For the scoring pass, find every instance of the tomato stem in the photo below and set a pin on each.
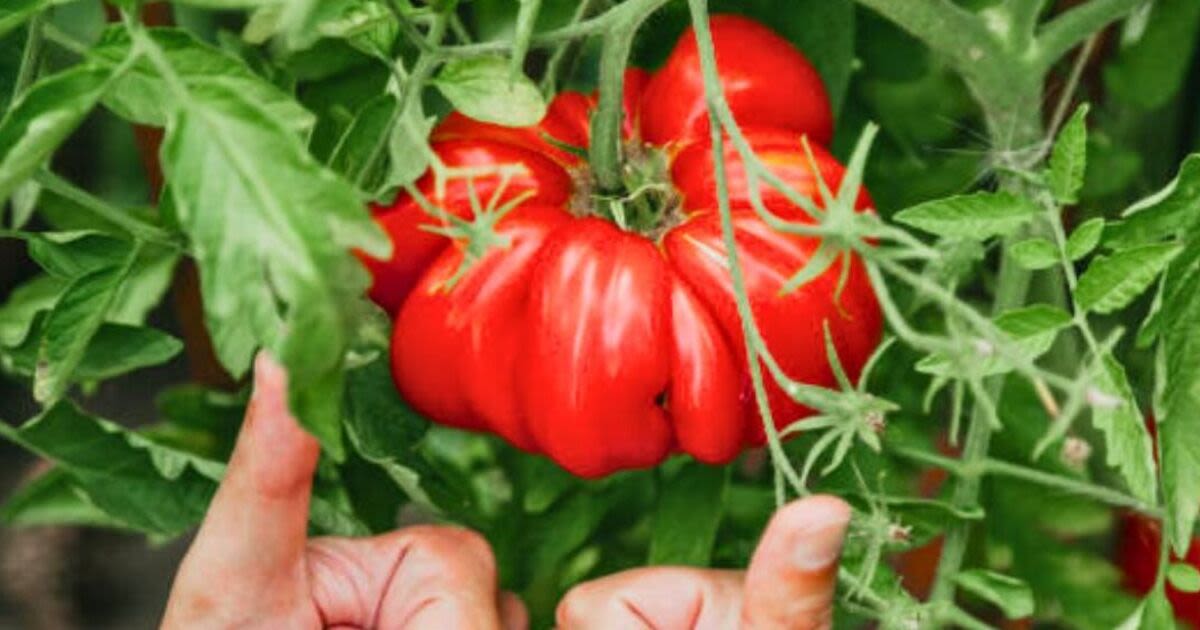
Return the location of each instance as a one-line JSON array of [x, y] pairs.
[[605, 150]]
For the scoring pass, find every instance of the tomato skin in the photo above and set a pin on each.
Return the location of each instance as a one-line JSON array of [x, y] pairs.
[[768, 259], [780, 150], [408, 224], [1137, 555], [602, 348], [766, 81]]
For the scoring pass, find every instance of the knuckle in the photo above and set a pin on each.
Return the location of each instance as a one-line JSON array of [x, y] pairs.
[[451, 550]]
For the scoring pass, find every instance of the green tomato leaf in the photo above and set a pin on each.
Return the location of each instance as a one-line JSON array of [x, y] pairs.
[[70, 327], [1035, 253], [1168, 212], [1068, 159], [1176, 412], [1115, 413], [73, 253], [43, 118], [272, 238], [485, 88], [14, 13], [1151, 68], [368, 26], [1085, 238], [17, 315], [1184, 577], [976, 216], [24, 201], [1112, 282], [143, 96], [1011, 595], [140, 484], [386, 431], [1032, 329], [690, 507], [53, 498]]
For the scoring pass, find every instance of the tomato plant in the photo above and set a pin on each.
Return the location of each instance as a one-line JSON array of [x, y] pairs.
[[628, 246]]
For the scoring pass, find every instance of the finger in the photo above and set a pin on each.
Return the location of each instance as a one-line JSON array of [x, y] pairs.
[[416, 578], [513, 615], [793, 574], [252, 539], [659, 597]]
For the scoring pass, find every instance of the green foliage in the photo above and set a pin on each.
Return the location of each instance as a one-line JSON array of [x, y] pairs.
[[484, 88], [1006, 272], [690, 508]]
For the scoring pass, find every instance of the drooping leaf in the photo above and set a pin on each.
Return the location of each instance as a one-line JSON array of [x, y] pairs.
[[24, 303], [976, 216], [1112, 282], [1068, 159], [43, 118], [485, 88], [135, 482], [1179, 414], [1128, 446], [52, 498], [272, 239], [70, 326]]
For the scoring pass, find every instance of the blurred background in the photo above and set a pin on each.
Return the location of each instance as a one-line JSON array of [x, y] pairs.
[[932, 145]]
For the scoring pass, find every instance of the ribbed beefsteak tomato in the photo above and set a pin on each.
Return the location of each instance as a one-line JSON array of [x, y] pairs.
[[605, 347]]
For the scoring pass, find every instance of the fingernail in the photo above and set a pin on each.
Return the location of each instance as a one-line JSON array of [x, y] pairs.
[[819, 540]]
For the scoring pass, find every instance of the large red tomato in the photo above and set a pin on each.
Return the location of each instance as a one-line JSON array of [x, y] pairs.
[[608, 348]]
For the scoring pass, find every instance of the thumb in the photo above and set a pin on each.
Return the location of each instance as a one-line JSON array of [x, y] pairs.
[[255, 531], [793, 574]]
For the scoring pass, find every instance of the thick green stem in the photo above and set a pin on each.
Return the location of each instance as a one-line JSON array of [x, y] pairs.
[[1072, 27], [1011, 289], [605, 147], [526, 20], [604, 150]]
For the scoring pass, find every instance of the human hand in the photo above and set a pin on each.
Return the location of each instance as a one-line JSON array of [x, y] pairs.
[[252, 564], [790, 583]]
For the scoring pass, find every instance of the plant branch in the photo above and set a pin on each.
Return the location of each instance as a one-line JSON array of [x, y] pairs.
[[604, 150], [1070, 29], [942, 25], [992, 466], [600, 24]]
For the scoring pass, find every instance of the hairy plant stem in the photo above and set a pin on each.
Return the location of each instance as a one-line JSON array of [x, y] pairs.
[[1011, 289], [999, 468]]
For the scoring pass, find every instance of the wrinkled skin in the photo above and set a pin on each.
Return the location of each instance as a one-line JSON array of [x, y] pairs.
[[607, 349]]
